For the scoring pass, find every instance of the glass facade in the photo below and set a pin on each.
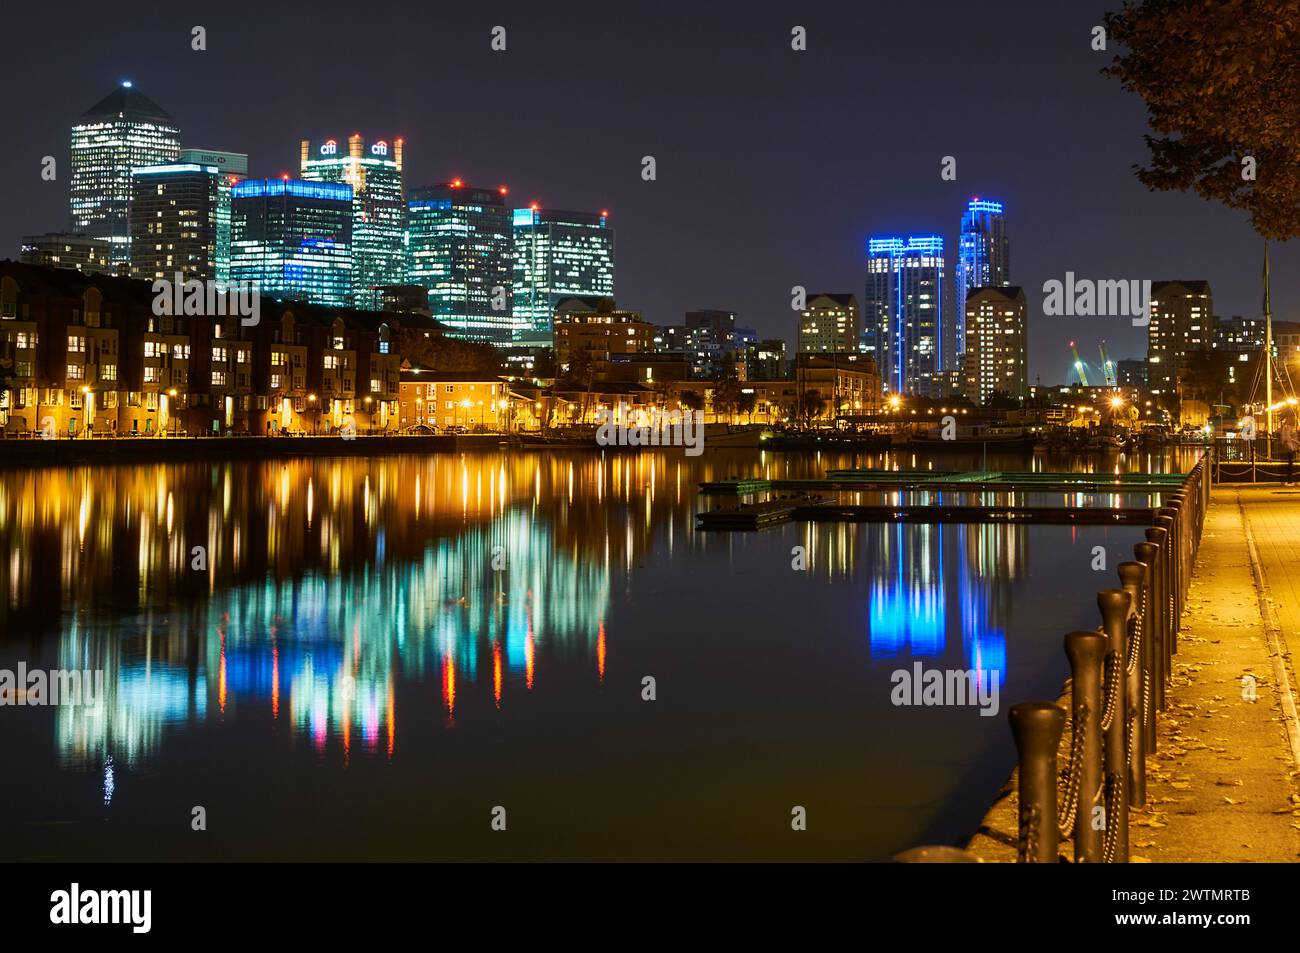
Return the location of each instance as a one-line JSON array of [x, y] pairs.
[[903, 312], [124, 131], [294, 238], [373, 170], [232, 167], [461, 251], [557, 255], [983, 260], [177, 217]]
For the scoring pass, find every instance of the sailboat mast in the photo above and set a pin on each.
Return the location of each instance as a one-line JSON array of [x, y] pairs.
[[1268, 355]]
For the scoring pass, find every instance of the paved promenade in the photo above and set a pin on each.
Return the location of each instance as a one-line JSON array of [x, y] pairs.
[[1224, 784]]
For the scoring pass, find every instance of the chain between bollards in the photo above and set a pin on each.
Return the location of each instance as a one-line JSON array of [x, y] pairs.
[[1119, 677]]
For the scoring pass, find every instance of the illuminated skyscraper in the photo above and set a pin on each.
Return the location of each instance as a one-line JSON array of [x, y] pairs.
[[233, 167], [374, 171], [996, 356], [121, 132], [983, 261], [180, 217], [461, 250], [1182, 320], [294, 238], [830, 324], [557, 255], [903, 319]]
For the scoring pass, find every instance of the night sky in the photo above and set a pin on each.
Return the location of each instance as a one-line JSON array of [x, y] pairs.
[[773, 166]]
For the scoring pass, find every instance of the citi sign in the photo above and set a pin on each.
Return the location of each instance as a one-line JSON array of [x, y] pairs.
[[331, 147]]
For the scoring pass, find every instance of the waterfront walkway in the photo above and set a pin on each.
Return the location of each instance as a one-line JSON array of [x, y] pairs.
[[1224, 784]]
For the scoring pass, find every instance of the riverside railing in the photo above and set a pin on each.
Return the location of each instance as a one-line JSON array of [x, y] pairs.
[[1118, 677]]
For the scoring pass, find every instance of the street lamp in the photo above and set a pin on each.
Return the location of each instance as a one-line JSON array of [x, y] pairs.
[[85, 408], [315, 420], [171, 411]]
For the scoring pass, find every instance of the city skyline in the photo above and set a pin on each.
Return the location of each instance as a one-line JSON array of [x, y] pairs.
[[488, 281], [580, 434], [802, 233]]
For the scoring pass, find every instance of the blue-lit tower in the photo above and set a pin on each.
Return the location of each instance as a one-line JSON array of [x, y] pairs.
[[983, 260], [903, 315], [293, 238]]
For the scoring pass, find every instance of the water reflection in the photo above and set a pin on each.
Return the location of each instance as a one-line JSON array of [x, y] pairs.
[[327, 651], [364, 608], [923, 572]]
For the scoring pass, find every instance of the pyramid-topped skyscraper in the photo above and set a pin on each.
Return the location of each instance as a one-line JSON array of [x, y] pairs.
[[124, 130]]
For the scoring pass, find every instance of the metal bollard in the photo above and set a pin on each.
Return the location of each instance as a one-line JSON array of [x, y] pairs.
[[1174, 526], [1168, 521], [1114, 606], [1189, 557], [1087, 654], [936, 854], [1161, 535], [1189, 552], [1133, 576], [1178, 545], [1147, 554], [1037, 727]]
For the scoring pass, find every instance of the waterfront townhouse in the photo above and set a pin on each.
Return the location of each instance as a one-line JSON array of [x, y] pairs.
[[469, 400], [847, 384], [379, 370], [60, 350], [87, 353], [279, 373]]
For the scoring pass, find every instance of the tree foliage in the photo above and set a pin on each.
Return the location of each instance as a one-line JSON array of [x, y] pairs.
[[442, 353], [726, 395], [812, 404], [693, 399], [1218, 377], [1221, 80]]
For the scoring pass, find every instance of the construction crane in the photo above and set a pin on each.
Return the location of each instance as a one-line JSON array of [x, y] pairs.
[[1107, 367], [1078, 365]]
